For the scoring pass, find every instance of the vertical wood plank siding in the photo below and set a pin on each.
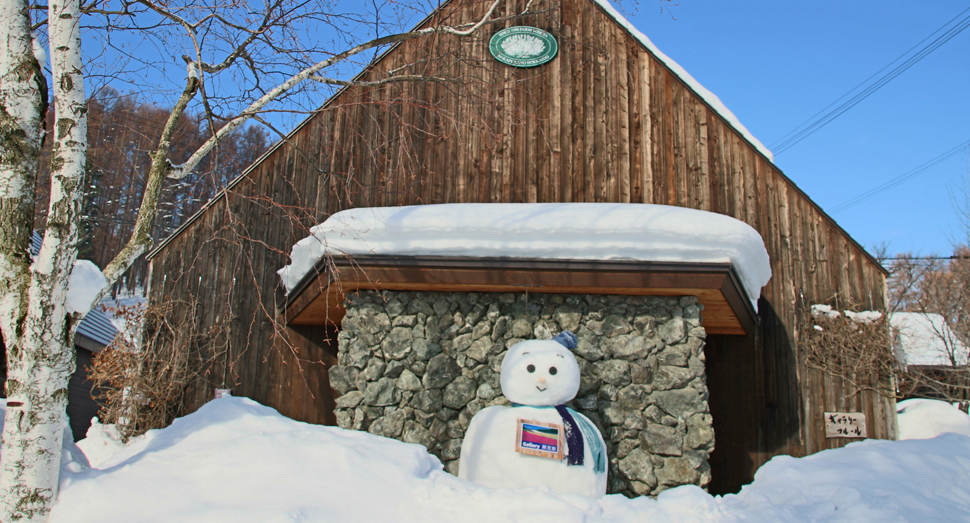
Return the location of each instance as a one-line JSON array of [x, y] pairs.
[[603, 122]]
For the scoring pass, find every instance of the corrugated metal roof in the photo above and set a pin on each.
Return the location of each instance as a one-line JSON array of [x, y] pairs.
[[35, 241], [96, 325]]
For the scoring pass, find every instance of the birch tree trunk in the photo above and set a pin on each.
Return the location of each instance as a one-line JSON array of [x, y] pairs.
[[23, 94], [40, 348]]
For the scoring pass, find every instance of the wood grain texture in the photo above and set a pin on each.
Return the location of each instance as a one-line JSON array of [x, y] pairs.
[[726, 310]]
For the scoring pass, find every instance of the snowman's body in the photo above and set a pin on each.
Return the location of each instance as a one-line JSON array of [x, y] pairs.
[[488, 455], [536, 376]]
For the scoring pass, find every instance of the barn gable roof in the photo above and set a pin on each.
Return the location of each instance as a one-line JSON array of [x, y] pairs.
[[708, 98]]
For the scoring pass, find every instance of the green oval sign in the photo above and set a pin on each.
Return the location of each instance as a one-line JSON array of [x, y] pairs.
[[523, 46]]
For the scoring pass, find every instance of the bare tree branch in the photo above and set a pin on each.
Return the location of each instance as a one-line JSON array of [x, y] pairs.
[[179, 171], [390, 79]]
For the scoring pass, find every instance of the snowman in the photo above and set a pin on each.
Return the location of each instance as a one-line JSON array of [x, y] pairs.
[[538, 440]]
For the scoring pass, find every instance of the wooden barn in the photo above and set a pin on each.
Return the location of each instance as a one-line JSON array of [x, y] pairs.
[[608, 119]]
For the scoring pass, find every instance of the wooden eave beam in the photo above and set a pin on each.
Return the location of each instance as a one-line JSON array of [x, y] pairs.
[[318, 299]]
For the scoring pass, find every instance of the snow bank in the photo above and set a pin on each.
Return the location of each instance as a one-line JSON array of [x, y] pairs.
[[581, 231], [682, 73], [868, 481], [235, 460], [101, 443], [923, 419]]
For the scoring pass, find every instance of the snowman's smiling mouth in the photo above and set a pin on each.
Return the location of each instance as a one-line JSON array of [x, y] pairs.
[[541, 390]]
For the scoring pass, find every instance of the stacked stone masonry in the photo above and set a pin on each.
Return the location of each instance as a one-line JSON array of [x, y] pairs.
[[417, 366]]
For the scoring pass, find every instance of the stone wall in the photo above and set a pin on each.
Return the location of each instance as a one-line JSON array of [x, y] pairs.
[[417, 366]]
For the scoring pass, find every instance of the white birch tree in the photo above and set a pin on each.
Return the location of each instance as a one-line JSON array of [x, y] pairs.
[[38, 327]]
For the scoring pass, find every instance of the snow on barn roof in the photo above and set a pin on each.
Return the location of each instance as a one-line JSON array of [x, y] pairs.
[[563, 231], [925, 339]]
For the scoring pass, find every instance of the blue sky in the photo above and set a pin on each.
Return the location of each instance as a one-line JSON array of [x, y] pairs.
[[776, 63]]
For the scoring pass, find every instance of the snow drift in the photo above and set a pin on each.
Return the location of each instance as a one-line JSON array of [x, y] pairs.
[[235, 460], [924, 419]]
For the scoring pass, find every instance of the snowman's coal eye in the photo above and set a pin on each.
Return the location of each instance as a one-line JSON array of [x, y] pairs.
[[531, 368], [553, 371]]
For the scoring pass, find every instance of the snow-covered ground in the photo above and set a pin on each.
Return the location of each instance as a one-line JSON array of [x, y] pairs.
[[923, 419], [235, 460]]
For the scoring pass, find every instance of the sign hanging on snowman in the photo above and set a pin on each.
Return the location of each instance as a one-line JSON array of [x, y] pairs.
[[538, 441], [536, 438]]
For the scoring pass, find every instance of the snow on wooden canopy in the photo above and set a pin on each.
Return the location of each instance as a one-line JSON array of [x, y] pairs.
[[561, 231]]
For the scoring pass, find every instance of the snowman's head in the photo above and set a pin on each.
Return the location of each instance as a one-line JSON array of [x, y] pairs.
[[541, 372]]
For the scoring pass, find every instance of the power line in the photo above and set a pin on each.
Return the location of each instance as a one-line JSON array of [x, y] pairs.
[[816, 122], [930, 258], [901, 178]]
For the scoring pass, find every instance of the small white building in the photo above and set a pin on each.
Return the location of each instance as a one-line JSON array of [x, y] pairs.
[[924, 339], [933, 358]]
